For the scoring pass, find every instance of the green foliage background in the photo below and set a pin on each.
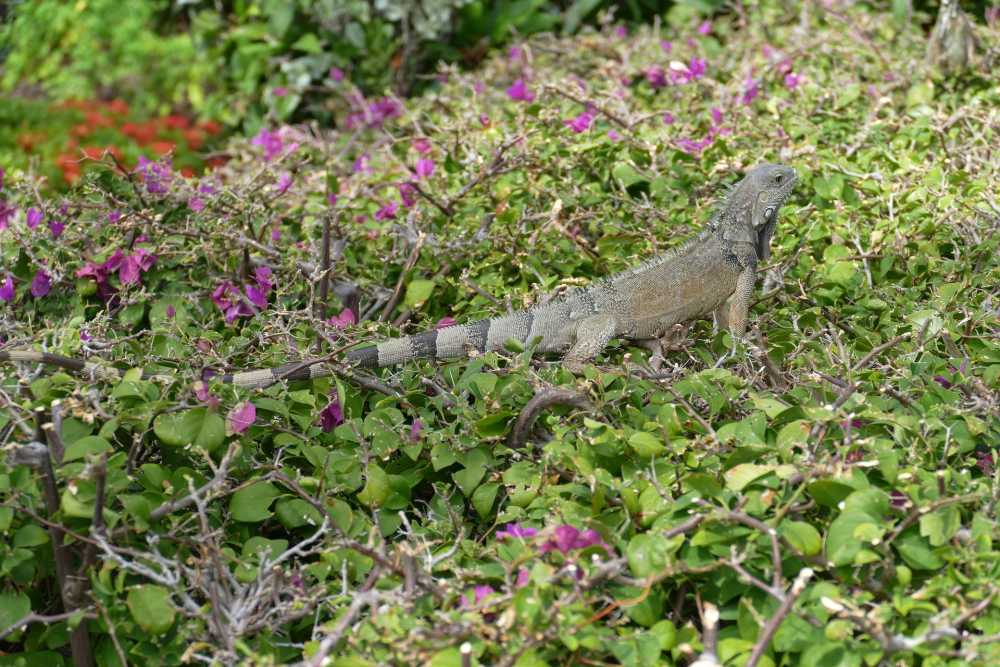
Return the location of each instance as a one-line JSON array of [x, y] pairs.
[[861, 447]]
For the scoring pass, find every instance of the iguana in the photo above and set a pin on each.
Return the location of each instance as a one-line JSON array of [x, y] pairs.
[[712, 273]]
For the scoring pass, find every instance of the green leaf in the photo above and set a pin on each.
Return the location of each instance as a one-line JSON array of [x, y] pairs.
[[417, 292], [802, 536], [252, 503], [90, 444], [151, 608], [648, 553], [829, 492], [377, 487], [483, 498], [30, 535], [198, 427], [13, 607], [646, 444], [739, 477]]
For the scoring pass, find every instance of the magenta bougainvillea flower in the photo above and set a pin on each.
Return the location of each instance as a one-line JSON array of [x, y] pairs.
[[668, 118], [792, 80], [515, 53], [7, 289], [445, 322], [114, 216], [40, 284], [360, 165], [477, 595], [233, 303], [750, 90], [196, 204], [336, 74], [156, 175], [415, 428], [372, 114], [516, 530], [332, 415], [705, 28], [422, 146], [666, 45], [580, 123], [202, 394], [519, 91], [621, 31], [566, 538], [242, 417], [134, 265], [33, 218], [656, 77], [387, 212], [523, 578], [408, 194], [424, 168], [270, 141], [280, 91], [345, 319], [284, 182], [6, 213], [56, 228]]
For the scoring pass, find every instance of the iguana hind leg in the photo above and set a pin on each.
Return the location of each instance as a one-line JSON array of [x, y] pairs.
[[592, 335]]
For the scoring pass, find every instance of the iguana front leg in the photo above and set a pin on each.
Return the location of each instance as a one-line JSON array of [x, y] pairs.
[[592, 335]]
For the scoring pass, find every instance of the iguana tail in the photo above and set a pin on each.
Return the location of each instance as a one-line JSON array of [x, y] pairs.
[[452, 342]]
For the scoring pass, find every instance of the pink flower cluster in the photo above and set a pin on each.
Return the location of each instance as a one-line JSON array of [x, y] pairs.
[[235, 303], [129, 267], [156, 175]]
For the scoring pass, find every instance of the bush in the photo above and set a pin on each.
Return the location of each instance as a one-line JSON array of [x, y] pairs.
[[840, 477]]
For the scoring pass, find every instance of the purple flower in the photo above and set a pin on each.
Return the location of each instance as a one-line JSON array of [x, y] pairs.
[[284, 182], [445, 322], [114, 216], [695, 146], [519, 91], [705, 28], [515, 53], [40, 284], [415, 428], [171, 312], [332, 415], [1, 178], [516, 530], [425, 167], [206, 188], [408, 194], [750, 90], [697, 67], [523, 578], [943, 381], [275, 235], [666, 45], [621, 31], [7, 289], [156, 175], [331, 199], [479, 593], [280, 91], [345, 319], [196, 204], [668, 118], [898, 498], [387, 212], [84, 336], [716, 116], [581, 123], [422, 146], [56, 228], [336, 74], [360, 165], [614, 136], [656, 77], [34, 216], [792, 80], [985, 462], [6, 213], [229, 300], [242, 417], [566, 538], [270, 141]]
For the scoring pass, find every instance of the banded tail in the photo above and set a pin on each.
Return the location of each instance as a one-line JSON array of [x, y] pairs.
[[459, 340]]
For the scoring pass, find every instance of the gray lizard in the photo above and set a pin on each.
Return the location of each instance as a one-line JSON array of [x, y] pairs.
[[711, 274]]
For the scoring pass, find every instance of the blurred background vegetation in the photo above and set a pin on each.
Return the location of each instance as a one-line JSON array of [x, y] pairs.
[[81, 77]]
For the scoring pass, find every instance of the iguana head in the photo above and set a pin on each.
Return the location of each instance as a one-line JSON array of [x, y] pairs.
[[750, 212]]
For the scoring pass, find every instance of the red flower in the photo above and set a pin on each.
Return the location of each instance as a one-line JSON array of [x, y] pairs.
[[177, 122]]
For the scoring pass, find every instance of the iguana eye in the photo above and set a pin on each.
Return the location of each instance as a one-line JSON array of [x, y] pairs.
[[777, 178]]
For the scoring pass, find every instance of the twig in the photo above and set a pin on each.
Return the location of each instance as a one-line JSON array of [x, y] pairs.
[[799, 585], [542, 400]]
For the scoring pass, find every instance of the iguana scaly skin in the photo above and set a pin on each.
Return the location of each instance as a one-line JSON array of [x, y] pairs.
[[712, 273]]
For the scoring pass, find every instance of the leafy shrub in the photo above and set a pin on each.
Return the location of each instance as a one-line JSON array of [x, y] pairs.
[[841, 479]]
